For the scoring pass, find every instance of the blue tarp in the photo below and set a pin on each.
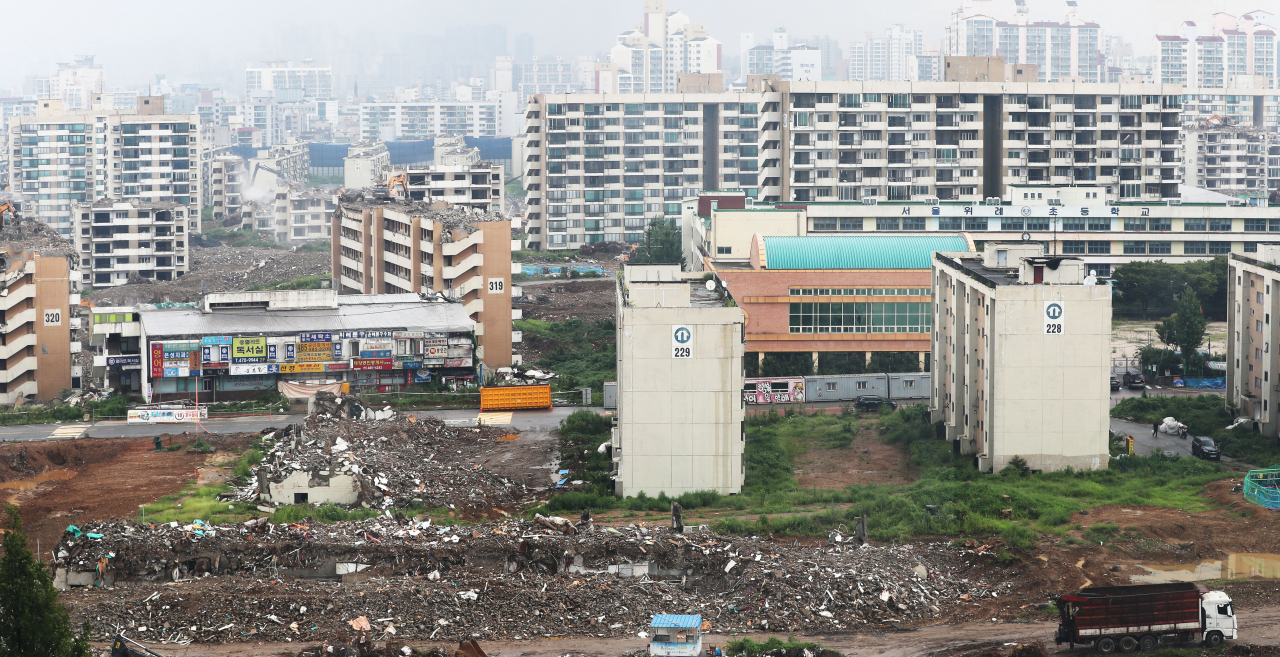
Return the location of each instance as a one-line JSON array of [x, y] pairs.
[[412, 152], [491, 148], [1202, 384], [328, 155]]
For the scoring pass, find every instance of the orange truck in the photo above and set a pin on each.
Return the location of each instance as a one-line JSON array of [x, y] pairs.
[[513, 398]]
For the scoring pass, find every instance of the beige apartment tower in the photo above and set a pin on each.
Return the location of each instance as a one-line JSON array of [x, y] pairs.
[[1021, 357], [35, 325], [680, 377]]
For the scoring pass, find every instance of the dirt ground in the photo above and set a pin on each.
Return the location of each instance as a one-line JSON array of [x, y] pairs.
[[589, 299], [112, 477], [867, 460]]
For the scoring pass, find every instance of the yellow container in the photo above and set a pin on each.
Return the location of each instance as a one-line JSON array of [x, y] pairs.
[[509, 398]]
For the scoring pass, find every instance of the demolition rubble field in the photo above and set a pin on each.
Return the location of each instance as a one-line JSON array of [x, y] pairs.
[[219, 269], [258, 581]]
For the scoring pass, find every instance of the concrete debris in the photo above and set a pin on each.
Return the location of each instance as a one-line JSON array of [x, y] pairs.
[[458, 221], [220, 269], [349, 454], [37, 236], [500, 580]]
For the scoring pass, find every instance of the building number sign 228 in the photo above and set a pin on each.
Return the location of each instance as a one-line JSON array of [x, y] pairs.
[[681, 342], [1054, 318]]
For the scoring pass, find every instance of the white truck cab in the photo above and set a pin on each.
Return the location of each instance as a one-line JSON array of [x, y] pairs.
[[1218, 617]]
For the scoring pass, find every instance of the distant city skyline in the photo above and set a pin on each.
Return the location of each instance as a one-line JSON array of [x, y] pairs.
[[412, 43]]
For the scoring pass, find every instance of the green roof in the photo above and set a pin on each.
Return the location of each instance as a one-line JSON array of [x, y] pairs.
[[858, 251]]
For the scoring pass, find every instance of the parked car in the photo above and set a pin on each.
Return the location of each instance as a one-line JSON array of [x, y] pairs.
[[1134, 380], [1115, 383], [873, 403], [1204, 447]]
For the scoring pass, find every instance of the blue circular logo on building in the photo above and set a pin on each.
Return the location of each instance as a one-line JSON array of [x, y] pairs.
[[1054, 311], [683, 335]]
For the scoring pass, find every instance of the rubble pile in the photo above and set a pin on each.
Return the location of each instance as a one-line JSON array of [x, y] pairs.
[[220, 269], [504, 580], [453, 218], [34, 235], [395, 460]]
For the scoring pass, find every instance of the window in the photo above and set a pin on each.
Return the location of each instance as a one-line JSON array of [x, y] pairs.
[[860, 385], [1219, 248], [1135, 248], [876, 317], [1073, 247], [724, 250], [1194, 248], [1159, 248], [831, 386]]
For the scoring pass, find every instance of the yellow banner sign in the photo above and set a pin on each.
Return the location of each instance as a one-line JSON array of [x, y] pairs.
[[315, 351], [296, 368]]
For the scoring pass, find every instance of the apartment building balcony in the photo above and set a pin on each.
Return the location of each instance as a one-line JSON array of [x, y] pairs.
[[1061, 180], [18, 368], [16, 344], [18, 392], [461, 267]]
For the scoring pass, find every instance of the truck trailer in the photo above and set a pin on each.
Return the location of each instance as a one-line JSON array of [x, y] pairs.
[[1127, 618]]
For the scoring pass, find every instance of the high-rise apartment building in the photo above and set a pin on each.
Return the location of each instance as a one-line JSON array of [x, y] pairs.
[[75, 84], [36, 326], [650, 57], [123, 239], [600, 167], [499, 115], [58, 159], [1238, 51], [1065, 51], [314, 82], [783, 61]]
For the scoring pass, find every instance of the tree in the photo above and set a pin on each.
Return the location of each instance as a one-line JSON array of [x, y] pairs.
[[1185, 328], [1144, 281], [891, 362], [32, 623], [661, 245], [1209, 278]]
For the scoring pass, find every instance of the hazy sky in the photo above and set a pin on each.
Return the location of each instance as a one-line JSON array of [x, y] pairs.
[[204, 42]]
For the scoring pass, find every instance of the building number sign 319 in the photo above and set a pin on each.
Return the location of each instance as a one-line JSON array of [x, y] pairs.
[[496, 284], [1053, 318], [681, 342]]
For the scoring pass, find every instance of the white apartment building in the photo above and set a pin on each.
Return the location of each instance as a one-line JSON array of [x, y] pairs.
[[786, 62], [366, 164], [1021, 354], [1065, 51], [1243, 162], [75, 84], [226, 173], [119, 239], [599, 167], [308, 214], [499, 115], [315, 82], [478, 185], [1253, 288], [1237, 48], [59, 159], [650, 57]]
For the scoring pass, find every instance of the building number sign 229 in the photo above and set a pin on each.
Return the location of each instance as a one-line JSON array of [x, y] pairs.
[[1054, 318], [681, 342]]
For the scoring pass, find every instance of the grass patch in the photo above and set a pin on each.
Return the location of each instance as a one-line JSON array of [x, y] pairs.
[[240, 238], [584, 354], [296, 283], [197, 503], [113, 406], [316, 246]]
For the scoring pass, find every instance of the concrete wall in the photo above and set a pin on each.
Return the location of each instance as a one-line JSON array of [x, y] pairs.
[[679, 419], [339, 489], [53, 338]]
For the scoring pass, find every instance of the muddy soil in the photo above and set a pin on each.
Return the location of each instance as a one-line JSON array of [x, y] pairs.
[[586, 299], [113, 476], [866, 460]]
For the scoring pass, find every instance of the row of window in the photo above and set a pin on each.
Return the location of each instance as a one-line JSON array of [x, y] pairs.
[[1040, 224], [875, 317], [861, 292]]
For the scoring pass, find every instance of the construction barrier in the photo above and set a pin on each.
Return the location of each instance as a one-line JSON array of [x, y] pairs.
[[1262, 487], [510, 398]]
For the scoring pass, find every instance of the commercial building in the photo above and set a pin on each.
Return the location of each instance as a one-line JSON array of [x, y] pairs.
[[36, 326], [598, 167], [1251, 305], [115, 337], [1021, 356], [385, 247], [680, 417], [58, 159], [238, 343], [123, 239], [308, 80]]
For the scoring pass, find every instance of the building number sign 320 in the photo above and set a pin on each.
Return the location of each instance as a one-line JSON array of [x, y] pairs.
[[681, 342], [1054, 318]]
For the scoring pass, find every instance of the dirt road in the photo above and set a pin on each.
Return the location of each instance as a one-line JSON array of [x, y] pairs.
[[1260, 626]]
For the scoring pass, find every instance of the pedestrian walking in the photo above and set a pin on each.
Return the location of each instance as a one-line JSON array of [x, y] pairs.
[[1155, 429]]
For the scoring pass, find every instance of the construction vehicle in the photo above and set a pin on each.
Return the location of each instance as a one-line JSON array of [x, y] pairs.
[[8, 214], [1217, 120], [123, 646], [391, 185], [1127, 618]]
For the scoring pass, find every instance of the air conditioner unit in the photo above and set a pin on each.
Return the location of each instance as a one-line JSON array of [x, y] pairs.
[[1053, 201], [869, 201], [1235, 202], [993, 200], [1173, 201], [931, 200]]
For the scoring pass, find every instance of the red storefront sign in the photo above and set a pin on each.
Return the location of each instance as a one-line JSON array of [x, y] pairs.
[[157, 360], [372, 363]]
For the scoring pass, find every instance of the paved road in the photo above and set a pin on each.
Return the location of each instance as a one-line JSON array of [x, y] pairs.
[[520, 420]]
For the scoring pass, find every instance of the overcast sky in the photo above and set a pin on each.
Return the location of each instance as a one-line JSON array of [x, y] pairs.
[[204, 42]]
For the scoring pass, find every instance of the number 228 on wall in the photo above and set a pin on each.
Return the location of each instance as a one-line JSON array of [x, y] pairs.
[[681, 342], [1054, 318]]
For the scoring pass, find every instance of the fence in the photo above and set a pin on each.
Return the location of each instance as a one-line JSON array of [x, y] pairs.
[[1262, 487]]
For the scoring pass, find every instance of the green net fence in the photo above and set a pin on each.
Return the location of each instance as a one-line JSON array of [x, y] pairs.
[[1262, 487]]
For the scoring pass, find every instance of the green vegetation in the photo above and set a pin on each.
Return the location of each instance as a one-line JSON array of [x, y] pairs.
[[113, 407], [660, 245], [317, 246], [241, 238], [544, 257], [297, 283], [1204, 415], [851, 362], [1138, 284], [777, 647], [270, 401], [317, 181], [197, 503], [1185, 328], [514, 189], [327, 514], [31, 620], [206, 213], [584, 354]]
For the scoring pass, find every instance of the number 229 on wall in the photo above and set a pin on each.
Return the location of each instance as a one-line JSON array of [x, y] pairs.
[[1054, 318], [681, 342]]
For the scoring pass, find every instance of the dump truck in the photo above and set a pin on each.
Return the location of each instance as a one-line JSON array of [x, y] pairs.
[[1127, 618]]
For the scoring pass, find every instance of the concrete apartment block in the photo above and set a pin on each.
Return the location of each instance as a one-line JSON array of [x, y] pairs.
[[1021, 357], [1251, 307], [680, 409], [35, 325], [120, 239]]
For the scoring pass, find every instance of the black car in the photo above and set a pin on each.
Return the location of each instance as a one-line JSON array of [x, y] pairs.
[[1115, 383], [873, 403], [1204, 447], [1134, 380]]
